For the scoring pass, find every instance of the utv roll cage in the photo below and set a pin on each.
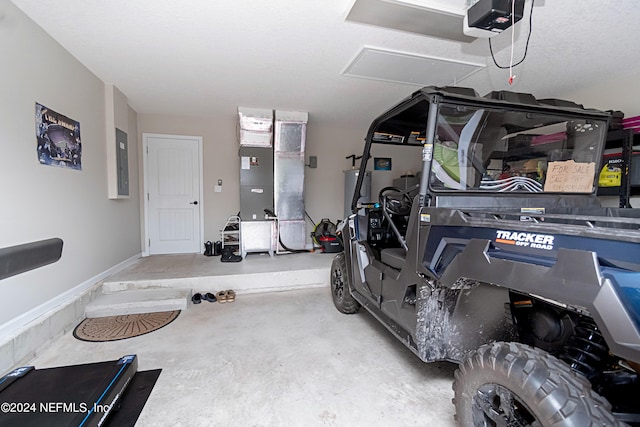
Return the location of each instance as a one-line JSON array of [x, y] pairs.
[[500, 117]]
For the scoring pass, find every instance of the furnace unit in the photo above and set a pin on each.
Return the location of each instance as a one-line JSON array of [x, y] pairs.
[[256, 180], [288, 165]]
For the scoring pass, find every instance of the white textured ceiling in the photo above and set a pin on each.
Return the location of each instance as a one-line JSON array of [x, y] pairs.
[[207, 57]]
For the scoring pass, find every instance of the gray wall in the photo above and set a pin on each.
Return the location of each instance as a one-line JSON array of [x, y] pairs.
[[220, 159], [324, 185], [40, 202]]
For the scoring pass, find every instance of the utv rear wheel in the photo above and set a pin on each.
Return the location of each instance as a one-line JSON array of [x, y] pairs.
[[340, 293], [512, 384]]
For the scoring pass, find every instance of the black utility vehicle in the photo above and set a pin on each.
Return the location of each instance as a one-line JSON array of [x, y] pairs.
[[501, 258]]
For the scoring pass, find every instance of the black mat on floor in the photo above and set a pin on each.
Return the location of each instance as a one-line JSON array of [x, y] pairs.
[[67, 396], [134, 399]]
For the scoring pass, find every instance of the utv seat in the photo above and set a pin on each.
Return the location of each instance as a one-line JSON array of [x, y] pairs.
[[393, 257]]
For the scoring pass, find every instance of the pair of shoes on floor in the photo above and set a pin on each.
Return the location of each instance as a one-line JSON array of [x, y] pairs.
[[228, 255], [226, 296], [198, 297]]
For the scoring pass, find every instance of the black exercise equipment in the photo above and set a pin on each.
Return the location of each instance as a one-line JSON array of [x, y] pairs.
[[18, 259], [80, 395]]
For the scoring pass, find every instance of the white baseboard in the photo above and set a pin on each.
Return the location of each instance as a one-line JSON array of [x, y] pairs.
[[19, 333], [14, 325]]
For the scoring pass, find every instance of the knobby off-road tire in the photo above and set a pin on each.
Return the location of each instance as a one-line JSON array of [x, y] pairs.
[[512, 384], [340, 285]]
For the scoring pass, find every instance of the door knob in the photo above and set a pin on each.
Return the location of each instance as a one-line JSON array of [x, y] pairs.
[[195, 202]]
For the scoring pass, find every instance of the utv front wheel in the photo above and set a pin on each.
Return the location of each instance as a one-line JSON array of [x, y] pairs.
[[512, 384], [342, 298]]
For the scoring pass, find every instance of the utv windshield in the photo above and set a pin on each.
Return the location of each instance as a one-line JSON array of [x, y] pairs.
[[492, 150]]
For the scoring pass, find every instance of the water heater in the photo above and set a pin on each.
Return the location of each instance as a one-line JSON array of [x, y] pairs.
[[350, 179]]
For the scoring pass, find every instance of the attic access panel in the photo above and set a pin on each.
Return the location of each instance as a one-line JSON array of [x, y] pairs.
[[415, 70]]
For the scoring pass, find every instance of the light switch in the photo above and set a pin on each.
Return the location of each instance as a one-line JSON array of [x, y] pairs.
[[218, 188]]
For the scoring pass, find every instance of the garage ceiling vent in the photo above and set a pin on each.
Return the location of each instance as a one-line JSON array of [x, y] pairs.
[[410, 69], [443, 19]]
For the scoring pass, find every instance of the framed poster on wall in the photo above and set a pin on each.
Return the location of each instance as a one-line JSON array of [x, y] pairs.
[[382, 163], [58, 139]]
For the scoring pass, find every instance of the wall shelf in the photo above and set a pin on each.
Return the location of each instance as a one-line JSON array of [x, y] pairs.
[[230, 235], [624, 140]]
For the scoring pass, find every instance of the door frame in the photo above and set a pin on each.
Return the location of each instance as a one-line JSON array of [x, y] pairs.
[[145, 178]]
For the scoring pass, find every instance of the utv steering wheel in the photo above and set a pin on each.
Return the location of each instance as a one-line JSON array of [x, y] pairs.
[[395, 201]]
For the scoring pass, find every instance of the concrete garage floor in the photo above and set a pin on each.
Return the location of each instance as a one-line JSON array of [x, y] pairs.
[[276, 359]]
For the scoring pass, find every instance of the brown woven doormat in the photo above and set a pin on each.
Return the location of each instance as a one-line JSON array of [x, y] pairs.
[[113, 328]]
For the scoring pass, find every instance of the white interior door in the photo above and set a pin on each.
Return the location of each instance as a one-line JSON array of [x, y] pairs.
[[173, 189]]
